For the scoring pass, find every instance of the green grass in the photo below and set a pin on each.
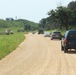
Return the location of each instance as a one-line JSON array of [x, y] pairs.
[[14, 29], [8, 43]]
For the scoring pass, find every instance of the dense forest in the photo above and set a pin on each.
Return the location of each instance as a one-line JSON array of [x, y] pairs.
[[63, 17]]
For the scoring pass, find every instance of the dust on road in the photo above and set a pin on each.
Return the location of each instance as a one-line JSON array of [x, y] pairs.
[[38, 55]]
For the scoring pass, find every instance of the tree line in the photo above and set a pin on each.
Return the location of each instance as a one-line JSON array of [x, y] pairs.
[[26, 25], [63, 17]]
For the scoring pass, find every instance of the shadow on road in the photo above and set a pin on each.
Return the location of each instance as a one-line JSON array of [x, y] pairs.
[[71, 52], [56, 40]]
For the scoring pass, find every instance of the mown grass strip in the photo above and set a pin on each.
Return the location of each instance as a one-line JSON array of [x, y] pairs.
[[8, 43]]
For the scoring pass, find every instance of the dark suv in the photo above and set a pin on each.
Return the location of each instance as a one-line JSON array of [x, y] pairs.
[[68, 41]]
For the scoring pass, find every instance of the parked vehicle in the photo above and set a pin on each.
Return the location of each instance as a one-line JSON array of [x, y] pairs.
[[68, 41], [8, 32], [46, 34], [56, 35]]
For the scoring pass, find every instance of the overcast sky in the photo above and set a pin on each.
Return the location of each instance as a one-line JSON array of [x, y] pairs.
[[33, 10]]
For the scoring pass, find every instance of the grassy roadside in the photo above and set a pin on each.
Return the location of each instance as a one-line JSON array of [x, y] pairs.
[[8, 43]]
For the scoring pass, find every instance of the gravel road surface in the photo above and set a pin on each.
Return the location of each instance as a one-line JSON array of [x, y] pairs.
[[38, 55]]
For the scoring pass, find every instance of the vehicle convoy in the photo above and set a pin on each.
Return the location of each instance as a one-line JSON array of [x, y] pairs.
[[68, 41], [56, 35]]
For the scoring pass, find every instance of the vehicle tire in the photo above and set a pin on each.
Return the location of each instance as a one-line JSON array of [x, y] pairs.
[[62, 48], [65, 50]]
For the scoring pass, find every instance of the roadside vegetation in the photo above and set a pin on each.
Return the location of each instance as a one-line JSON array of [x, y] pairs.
[[62, 18], [8, 43]]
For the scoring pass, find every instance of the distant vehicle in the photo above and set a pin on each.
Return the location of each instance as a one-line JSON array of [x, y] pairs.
[[56, 35], [46, 34], [8, 32], [68, 41], [40, 31], [33, 32]]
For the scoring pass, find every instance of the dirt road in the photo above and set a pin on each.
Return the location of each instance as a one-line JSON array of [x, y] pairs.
[[38, 55]]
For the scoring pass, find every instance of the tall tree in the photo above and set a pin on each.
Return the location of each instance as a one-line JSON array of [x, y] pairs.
[[72, 5], [42, 23]]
